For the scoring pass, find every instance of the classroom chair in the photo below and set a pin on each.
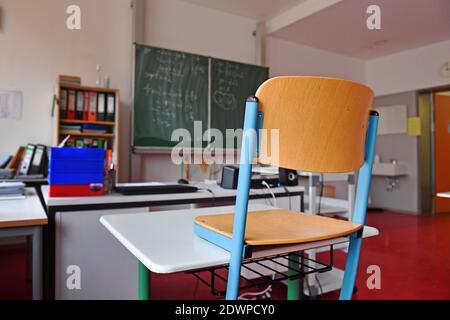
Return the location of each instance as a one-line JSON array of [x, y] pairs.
[[325, 125]]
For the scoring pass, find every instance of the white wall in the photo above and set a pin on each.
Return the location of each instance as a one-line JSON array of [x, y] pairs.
[[404, 149], [408, 70], [36, 46], [183, 26], [395, 80], [288, 58]]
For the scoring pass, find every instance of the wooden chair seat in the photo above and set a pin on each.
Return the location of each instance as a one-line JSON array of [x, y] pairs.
[[276, 227]]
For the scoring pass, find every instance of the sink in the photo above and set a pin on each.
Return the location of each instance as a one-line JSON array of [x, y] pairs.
[[389, 169]]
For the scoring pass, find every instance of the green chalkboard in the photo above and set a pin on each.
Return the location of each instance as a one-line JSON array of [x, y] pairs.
[[170, 92], [173, 89], [231, 84]]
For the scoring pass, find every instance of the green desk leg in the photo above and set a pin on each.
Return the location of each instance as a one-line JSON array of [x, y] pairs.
[[144, 282], [293, 284]]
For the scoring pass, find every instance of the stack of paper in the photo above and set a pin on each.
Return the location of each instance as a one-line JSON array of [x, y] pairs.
[[93, 128], [71, 128], [12, 190]]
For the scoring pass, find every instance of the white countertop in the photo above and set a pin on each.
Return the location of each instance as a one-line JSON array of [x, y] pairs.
[[120, 198], [22, 212], [165, 241]]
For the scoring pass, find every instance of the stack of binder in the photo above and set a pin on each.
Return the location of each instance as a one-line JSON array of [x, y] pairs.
[[87, 106]]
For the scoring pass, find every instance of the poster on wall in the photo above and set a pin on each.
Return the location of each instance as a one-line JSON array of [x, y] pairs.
[[11, 105], [393, 119]]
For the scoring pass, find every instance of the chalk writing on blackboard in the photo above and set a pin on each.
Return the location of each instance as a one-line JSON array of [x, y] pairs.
[[171, 92], [230, 75], [225, 100]]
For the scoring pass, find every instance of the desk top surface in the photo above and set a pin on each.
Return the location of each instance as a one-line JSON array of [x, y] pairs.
[[165, 242], [30, 182], [218, 191], [22, 212]]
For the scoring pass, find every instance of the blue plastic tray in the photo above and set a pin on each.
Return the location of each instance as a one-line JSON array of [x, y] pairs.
[[70, 166]]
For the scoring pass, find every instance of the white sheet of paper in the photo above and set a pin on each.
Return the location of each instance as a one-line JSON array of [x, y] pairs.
[[393, 119], [11, 105]]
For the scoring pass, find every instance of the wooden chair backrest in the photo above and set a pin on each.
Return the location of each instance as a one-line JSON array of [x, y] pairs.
[[322, 123]]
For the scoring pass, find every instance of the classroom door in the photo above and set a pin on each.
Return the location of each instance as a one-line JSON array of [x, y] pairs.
[[442, 150]]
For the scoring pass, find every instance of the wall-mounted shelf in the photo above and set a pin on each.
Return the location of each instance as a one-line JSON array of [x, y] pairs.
[[87, 88], [86, 134], [104, 123]]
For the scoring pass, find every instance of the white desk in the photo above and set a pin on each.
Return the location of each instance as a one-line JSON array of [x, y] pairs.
[[76, 235], [25, 218], [166, 243], [171, 199]]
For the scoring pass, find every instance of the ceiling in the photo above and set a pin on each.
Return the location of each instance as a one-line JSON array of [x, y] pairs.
[[341, 28], [255, 9]]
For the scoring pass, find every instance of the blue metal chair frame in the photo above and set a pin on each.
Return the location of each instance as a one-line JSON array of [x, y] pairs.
[[249, 143]]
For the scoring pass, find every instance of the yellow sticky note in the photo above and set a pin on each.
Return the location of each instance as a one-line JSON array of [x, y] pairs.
[[414, 127]]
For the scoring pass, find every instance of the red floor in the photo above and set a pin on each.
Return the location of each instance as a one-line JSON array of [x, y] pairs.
[[412, 252]]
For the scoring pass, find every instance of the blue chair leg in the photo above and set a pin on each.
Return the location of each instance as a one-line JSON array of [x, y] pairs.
[[240, 211], [359, 216], [351, 268], [237, 243]]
